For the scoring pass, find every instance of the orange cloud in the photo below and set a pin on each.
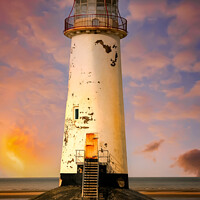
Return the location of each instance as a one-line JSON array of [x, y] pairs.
[[32, 87], [20, 152], [189, 162]]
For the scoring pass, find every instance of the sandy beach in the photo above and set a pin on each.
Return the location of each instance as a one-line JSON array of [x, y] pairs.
[[29, 194], [170, 193], [19, 194]]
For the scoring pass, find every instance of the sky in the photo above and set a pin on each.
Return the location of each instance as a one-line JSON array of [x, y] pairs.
[[161, 83]]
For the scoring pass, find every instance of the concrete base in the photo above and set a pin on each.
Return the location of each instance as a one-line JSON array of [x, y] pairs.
[[74, 193]]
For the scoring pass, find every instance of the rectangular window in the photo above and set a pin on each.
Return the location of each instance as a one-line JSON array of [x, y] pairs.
[[76, 113]]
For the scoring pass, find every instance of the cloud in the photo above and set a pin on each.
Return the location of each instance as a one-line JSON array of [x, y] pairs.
[[142, 9], [148, 108], [189, 162], [183, 31], [149, 150], [175, 92], [195, 91], [21, 151], [64, 3], [174, 77], [153, 146], [185, 61], [32, 87], [180, 93], [145, 65], [178, 111], [184, 28], [134, 84]]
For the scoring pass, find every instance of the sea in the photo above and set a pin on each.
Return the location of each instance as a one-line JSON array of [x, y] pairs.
[[192, 184]]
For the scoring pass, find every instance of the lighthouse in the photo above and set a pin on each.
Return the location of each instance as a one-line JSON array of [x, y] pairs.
[[94, 143]]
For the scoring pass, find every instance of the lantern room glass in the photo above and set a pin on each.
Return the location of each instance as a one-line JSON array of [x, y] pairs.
[[109, 7]]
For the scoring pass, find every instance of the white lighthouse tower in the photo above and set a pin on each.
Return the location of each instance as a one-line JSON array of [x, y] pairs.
[[94, 144]]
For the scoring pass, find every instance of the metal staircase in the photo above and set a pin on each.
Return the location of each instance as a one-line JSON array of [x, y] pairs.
[[90, 179]]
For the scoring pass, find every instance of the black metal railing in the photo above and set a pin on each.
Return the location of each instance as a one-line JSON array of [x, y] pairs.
[[104, 156], [95, 20], [80, 156]]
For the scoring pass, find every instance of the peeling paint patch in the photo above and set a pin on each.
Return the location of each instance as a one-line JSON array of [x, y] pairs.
[[114, 61], [106, 47], [114, 46], [66, 136], [86, 119], [70, 161], [70, 75], [82, 127]]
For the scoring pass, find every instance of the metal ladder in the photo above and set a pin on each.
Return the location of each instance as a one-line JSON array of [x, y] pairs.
[[90, 179]]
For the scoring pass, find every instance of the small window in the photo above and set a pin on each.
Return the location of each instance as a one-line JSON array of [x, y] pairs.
[[95, 22], [76, 113]]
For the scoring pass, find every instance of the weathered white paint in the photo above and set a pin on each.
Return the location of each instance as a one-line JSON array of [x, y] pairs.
[[95, 87]]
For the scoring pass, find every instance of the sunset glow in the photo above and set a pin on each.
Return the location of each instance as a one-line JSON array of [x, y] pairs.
[[161, 83]]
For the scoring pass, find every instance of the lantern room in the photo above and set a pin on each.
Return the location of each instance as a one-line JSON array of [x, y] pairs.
[[99, 15], [109, 7]]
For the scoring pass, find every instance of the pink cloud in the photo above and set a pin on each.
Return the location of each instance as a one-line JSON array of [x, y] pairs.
[[144, 65], [174, 78], [148, 108], [141, 9], [175, 92], [185, 27], [32, 84], [149, 150], [178, 111], [195, 91], [180, 93], [153, 146], [189, 162], [196, 67], [185, 60], [34, 28]]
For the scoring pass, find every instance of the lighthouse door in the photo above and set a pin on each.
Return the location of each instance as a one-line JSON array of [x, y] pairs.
[[91, 146]]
